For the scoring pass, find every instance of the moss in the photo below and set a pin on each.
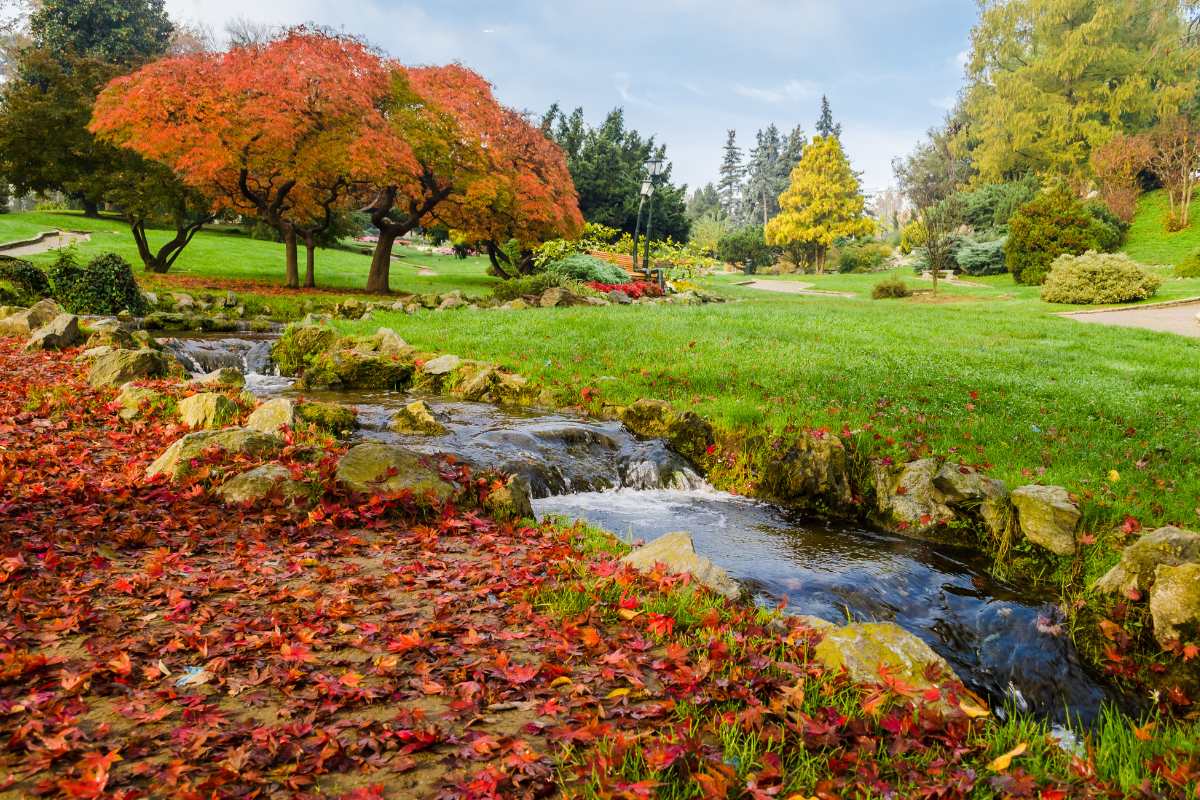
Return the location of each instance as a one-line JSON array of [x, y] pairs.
[[349, 369], [332, 417], [299, 346]]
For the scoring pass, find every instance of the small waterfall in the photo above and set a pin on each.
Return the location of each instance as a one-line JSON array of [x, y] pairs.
[[201, 355]]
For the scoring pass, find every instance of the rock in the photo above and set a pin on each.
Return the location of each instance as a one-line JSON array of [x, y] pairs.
[[299, 346], [182, 301], [23, 323], [511, 389], [1047, 517], [964, 486], [272, 415], [813, 473], [225, 376], [175, 462], [906, 498], [206, 410], [259, 483], [350, 309], [863, 648], [133, 399], [387, 343], [151, 298], [116, 338], [94, 352], [1169, 546], [375, 467], [648, 418], [352, 369], [218, 324], [332, 417], [619, 297], [997, 514], [512, 501], [122, 366], [416, 418], [473, 381], [676, 552], [434, 374], [551, 297], [451, 302], [231, 300], [1175, 602], [687, 432], [58, 334], [166, 321], [515, 305]]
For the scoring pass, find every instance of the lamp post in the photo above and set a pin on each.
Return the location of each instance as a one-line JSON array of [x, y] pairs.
[[654, 168]]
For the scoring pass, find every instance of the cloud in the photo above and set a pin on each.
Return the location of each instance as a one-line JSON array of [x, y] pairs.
[[791, 90]]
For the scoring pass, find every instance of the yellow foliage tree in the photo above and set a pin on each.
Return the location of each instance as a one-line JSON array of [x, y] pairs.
[[823, 203]]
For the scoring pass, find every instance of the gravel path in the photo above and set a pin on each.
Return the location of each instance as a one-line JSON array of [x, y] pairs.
[[792, 287], [52, 242], [1180, 319]]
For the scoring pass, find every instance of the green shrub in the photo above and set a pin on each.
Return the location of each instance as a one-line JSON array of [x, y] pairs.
[[993, 204], [1098, 278], [746, 245], [1110, 229], [980, 256], [1189, 267], [862, 256], [890, 287], [584, 268], [531, 284], [1052, 224], [29, 284], [105, 286]]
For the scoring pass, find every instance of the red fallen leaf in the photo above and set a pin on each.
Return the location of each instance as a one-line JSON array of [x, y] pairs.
[[1190, 651], [521, 673], [121, 664], [122, 585], [660, 624], [1131, 525], [296, 652]]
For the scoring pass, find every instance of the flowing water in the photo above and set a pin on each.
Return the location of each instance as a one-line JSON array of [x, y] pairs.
[[1004, 641]]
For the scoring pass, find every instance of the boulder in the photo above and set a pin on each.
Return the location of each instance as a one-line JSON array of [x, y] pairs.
[[515, 305], [94, 352], [1175, 602], [116, 338], [272, 415], [906, 499], [648, 418], [168, 321], [619, 297], [473, 381], [1047, 517], [299, 346], [813, 473], [1169, 546], [206, 410], [676, 552], [225, 376], [451, 302], [260, 483], [350, 309], [133, 399], [512, 501], [375, 467], [511, 389], [23, 323], [121, 366], [57, 334], [965, 486], [864, 648], [386, 342], [353, 369], [332, 417], [551, 297], [182, 301], [434, 374], [175, 462], [416, 418]]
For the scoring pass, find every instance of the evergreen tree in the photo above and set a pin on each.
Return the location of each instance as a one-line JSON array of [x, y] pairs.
[[762, 176], [704, 202], [119, 32], [793, 151], [731, 174], [825, 125]]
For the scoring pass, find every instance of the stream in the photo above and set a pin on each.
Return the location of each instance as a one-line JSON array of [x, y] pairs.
[[1005, 641]]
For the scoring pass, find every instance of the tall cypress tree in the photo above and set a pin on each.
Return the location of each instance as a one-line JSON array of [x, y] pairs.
[[731, 174], [825, 124], [762, 190]]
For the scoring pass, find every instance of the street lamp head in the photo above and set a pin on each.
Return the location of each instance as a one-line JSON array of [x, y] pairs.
[[656, 166], [647, 188]]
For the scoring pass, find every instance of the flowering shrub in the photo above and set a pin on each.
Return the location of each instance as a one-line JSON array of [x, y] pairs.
[[634, 289]]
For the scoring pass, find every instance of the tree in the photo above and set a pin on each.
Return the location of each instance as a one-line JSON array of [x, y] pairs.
[[823, 203], [731, 174], [825, 125], [744, 246], [148, 194], [704, 202], [762, 176], [282, 131], [126, 33], [1049, 80], [1118, 165], [1174, 158]]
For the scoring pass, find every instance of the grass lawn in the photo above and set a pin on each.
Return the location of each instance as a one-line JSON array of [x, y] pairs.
[[223, 255], [1148, 240], [995, 382]]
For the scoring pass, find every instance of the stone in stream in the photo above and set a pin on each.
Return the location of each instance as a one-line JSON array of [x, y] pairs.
[[260, 483], [473, 381], [416, 418], [687, 432], [175, 462], [1169, 546], [1047, 517], [115, 338], [812, 473], [57, 334], [273, 415], [23, 323], [677, 553], [907, 499], [866, 647], [121, 366], [300, 345], [332, 417], [511, 501], [1175, 602], [206, 410], [222, 376], [378, 468], [352, 369], [434, 374]]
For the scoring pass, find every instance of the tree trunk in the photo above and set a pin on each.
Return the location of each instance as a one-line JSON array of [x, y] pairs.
[[310, 261], [293, 267], [91, 208], [381, 260]]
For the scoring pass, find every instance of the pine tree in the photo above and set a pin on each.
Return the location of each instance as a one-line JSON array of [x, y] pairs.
[[732, 172], [823, 203], [762, 194], [825, 125]]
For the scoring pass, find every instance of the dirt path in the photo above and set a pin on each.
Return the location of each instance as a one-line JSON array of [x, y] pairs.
[[44, 242], [792, 287], [1178, 318]]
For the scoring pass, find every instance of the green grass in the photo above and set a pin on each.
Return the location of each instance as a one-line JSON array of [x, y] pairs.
[[1148, 240]]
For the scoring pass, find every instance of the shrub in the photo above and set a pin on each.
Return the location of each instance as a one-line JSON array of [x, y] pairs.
[[912, 237], [1110, 230], [1050, 225], [530, 284], [105, 286], [1095, 278], [862, 256], [979, 256], [633, 289], [584, 268], [993, 204], [29, 283], [1189, 267], [890, 287], [745, 245]]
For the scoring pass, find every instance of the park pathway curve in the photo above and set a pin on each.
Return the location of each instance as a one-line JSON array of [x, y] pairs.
[[1179, 318], [42, 242]]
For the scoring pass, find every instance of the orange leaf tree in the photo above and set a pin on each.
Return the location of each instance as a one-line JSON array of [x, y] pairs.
[[282, 131]]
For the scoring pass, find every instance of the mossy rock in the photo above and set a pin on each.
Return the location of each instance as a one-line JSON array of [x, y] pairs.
[[351, 369], [133, 399], [175, 462], [273, 415], [333, 417], [375, 467], [435, 373], [864, 649], [812, 473], [260, 483], [121, 366], [299, 346], [416, 418], [207, 410]]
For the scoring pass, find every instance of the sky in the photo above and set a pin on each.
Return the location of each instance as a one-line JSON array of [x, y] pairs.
[[685, 71]]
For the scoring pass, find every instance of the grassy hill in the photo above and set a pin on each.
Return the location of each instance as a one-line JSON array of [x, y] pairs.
[[1148, 240]]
